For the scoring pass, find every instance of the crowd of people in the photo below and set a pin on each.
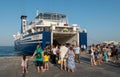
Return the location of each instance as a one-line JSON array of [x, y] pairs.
[[66, 55], [101, 53]]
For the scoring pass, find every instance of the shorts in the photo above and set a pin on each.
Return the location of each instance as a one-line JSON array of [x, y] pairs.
[[63, 59], [45, 62], [39, 63]]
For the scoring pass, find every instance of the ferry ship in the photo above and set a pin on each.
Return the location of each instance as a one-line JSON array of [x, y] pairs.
[[47, 29]]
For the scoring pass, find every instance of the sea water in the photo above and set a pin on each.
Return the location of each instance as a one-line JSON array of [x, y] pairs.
[[7, 51]]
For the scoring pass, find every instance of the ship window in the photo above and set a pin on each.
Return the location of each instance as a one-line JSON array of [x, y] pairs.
[[29, 31], [40, 22], [47, 29], [41, 29]]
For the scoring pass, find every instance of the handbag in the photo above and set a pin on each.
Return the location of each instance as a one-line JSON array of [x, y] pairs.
[[59, 61]]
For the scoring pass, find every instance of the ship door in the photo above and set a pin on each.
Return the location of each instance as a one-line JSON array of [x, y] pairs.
[[62, 38]]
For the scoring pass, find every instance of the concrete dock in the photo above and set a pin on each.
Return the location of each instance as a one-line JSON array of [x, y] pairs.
[[10, 67]]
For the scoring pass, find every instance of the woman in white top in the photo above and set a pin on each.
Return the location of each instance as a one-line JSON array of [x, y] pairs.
[[92, 56], [63, 51]]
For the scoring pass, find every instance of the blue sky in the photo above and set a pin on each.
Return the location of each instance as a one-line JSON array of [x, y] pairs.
[[101, 18]]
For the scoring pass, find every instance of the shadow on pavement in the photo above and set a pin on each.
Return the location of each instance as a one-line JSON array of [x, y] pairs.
[[114, 64], [85, 60], [24, 75]]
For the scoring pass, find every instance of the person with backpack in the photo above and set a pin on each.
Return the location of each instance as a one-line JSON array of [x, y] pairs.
[[38, 57]]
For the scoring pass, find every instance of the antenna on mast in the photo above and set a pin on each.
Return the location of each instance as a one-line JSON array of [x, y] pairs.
[[37, 12]]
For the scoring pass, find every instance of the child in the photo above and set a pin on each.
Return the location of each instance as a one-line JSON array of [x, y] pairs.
[[46, 60], [99, 58], [24, 64]]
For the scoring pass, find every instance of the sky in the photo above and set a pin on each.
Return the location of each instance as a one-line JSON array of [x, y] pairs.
[[101, 18]]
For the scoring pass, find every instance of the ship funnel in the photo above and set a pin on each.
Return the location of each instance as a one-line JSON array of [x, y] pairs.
[[23, 23]]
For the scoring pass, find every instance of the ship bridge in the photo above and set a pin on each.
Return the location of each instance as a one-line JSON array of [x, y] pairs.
[[51, 16]]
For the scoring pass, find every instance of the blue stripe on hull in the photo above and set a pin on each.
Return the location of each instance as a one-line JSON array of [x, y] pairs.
[[26, 48], [30, 47]]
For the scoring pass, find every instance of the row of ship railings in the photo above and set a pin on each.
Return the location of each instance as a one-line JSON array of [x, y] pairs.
[[49, 29], [63, 31]]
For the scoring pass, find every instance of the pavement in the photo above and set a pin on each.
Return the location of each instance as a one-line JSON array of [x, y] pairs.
[[10, 67]]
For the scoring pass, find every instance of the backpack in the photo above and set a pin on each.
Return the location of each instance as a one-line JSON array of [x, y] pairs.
[[38, 55]]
